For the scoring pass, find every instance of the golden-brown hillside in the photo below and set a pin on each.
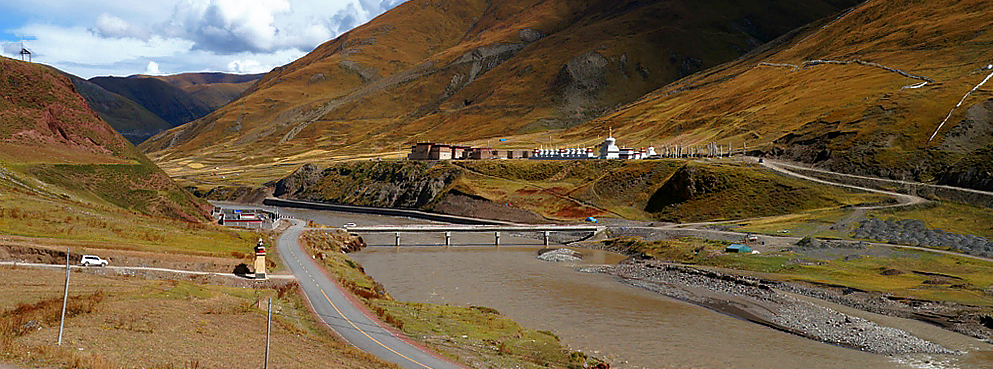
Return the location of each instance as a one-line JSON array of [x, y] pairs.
[[863, 93], [470, 70]]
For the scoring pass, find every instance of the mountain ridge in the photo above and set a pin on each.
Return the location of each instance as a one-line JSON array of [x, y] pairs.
[[515, 68]]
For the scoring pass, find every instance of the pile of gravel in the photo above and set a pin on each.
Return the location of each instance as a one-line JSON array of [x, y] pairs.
[[815, 243], [915, 233], [827, 325], [560, 255]]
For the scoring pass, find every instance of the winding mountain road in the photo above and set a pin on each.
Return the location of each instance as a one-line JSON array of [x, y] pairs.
[[902, 199], [132, 269], [343, 315]]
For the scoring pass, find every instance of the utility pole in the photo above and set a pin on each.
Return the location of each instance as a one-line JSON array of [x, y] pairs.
[[65, 299], [268, 323]]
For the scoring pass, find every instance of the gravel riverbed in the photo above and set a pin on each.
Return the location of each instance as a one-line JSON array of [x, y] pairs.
[[761, 302]]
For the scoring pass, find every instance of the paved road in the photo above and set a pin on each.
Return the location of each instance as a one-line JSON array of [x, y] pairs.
[[150, 269], [341, 314], [902, 199], [893, 181]]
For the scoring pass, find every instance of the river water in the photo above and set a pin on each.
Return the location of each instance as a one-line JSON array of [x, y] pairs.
[[598, 314]]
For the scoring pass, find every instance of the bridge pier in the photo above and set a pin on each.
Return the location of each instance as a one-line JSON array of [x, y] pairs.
[[496, 240], [398, 239], [546, 238], [448, 239]]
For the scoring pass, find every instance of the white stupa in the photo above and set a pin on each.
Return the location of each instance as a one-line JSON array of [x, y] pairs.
[[609, 149]]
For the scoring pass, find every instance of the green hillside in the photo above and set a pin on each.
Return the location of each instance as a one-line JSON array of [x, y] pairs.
[[67, 178]]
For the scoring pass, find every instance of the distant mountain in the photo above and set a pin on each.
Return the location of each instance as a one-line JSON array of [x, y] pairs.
[[474, 69], [157, 103], [213, 88], [55, 149], [172, 104], [127, 117]]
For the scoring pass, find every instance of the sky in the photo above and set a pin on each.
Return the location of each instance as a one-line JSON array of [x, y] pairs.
[[124, 37]]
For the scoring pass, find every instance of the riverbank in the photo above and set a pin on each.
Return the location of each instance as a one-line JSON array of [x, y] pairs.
[[774, 291], [477, 336], [757, 301]]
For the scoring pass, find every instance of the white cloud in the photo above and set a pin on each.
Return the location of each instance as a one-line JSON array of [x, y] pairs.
[[152, 68], [109, 26], [247, 66], [99, 37], [228, 26], [77, 45]]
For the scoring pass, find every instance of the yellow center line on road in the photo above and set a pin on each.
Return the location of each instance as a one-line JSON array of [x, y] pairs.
[[367, 334], [352, 323]]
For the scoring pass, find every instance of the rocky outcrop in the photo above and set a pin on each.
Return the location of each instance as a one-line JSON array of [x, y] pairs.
[[241, 194], [684, 185], [410, 185], [456, 202], [296, 181]]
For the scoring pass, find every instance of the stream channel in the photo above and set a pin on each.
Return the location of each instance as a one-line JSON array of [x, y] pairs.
[[603, 317]]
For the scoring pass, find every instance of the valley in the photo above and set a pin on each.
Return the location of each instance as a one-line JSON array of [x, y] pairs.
[[501, 184]]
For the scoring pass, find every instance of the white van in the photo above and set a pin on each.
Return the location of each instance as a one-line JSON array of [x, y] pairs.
[[92, 260]]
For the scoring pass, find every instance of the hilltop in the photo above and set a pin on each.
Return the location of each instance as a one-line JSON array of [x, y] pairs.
[[471, 70], [214, 89]]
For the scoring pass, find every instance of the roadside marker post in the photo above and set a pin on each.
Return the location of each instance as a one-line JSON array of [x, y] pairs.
[[65, 300], [268, 324]]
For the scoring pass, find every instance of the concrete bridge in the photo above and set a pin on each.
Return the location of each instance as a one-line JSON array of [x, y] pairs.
[[447, 229]]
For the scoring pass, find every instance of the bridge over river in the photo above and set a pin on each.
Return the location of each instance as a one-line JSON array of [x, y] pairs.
[[546, 230]]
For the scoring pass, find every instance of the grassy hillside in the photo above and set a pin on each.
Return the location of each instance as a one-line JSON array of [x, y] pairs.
[[67, 177], [470, 70], [849, 94], [537, 191]]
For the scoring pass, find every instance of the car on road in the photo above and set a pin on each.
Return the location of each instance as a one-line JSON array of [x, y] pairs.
[[350, 225], [92, 260]]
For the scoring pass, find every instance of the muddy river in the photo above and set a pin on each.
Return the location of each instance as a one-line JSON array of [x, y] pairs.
[[628, 326]]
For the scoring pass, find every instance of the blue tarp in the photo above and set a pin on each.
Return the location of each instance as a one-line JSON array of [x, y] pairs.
[[737, 247], [591, 219]]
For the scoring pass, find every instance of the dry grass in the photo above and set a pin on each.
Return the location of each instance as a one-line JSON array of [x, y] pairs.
[[133, 322], [972, 279], [65, 221]]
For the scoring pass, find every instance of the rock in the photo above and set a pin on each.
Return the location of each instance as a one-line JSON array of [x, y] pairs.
[[529, 35], [560, 255], [810, 242]]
